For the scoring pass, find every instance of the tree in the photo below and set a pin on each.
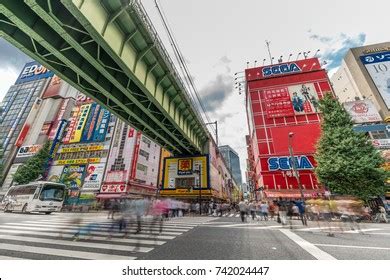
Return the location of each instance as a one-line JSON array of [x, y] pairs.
[[347, 163], [34, 167]]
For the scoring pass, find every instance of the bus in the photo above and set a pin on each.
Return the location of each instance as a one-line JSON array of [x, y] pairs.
[[39, 196]]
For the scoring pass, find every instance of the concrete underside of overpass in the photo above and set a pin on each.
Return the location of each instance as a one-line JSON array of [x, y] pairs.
[[110, 51]]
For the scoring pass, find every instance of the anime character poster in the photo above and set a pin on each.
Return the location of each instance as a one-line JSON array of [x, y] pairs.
[[304, 99]]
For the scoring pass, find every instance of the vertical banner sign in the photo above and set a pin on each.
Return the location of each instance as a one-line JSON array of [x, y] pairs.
[[135, 155], [278, 103], [101, 126], [89, 127], [94, 177], [378, 66], [72, 124], [58, 119], [84, 111]]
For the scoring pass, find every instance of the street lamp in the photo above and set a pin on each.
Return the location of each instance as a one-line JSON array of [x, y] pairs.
[[294, 167]]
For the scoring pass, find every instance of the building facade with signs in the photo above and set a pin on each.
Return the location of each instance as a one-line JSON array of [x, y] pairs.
[[18, 110], [282, 111], [133, 165]]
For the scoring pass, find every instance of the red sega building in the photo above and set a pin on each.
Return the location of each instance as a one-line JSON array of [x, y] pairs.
[[282, 100]]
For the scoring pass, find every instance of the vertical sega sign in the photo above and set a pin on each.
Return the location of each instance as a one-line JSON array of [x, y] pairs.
[[33, 71]]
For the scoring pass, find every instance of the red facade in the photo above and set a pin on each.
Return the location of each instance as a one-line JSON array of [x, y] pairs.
[[283, 99]]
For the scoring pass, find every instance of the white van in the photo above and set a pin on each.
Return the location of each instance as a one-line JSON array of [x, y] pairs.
[[39, 196]]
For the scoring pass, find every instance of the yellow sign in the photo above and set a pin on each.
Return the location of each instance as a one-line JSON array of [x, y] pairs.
[[184, 173], [82, 149], [78, 131], [77, 161], [185, 192]]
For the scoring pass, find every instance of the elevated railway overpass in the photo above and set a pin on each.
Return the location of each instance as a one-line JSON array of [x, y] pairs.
[[110, 51]]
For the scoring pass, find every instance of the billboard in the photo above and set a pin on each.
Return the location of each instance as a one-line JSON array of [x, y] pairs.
[[80, 124], [101, 126], [381, 143], [378, 67], [33, 71], [362, 111], [72, 124], [76, 175], [54, 87], [94, 177], [174, 178], [28, 151], [90, 124], [291, 100]]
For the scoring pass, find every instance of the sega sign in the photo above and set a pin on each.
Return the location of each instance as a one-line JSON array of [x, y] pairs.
[[285, 163], [33, 71], [285, 68]]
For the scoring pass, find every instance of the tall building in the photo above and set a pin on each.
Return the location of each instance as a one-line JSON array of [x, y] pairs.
[[282, 112], [21, 102], [365, 74], [233, 162]]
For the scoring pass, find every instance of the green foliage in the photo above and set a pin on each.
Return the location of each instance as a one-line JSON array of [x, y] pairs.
[[34, 167], [347, 163]]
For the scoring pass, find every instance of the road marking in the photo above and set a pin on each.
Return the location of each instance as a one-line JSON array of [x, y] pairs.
[[362, 230], [307, 246], [2, 257], [238, 215], [231, 215], [82, 243], [63, 253], [99, 238], [98, 233], [352, 246]]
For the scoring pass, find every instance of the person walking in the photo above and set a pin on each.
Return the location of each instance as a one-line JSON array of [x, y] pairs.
[[282, 211], [242, 207], [264, 210], [252, 209]]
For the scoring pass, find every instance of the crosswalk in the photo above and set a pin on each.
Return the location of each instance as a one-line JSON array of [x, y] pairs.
[[54, 238]]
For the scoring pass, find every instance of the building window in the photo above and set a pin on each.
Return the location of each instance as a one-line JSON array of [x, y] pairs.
[[142, 168], [378, 134], [144, 154]]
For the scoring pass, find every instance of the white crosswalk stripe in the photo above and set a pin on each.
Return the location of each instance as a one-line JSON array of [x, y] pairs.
[[54, 237]]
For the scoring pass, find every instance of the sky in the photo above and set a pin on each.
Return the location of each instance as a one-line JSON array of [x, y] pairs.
[[218, 38]]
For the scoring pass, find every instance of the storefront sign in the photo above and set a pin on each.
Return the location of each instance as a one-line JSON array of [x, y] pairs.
[[285, 68], [362, 111], [77, 161], [381, 143], [28, 151], [87, 148], [184, 167], [94, 177], [33, 71], [284, 163]]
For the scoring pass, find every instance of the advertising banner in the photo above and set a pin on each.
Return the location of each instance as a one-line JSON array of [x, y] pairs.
[[72, 124], [90, 123], [381, 143], [304, 99], [94, 177], [55, 173], [60, 115], [173, 180], [84, 148], [28, 151], [378, 67], [278, 102], [84, 111], [75, 174], [101, 125], [33, 71], [54, 87], [78, 161], [362, 111]]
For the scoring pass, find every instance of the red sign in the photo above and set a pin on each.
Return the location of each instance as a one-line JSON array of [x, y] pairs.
[[22, 135], [135, 155], [278, 103], [53, 88], [281, 69]]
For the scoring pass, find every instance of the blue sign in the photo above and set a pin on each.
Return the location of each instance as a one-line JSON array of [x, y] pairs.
[[281, 69], [375, 57], [285, 163], [33, 71], [101, 126], [90, 124]]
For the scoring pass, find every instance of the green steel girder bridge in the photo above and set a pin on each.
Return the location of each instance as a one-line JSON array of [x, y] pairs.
[[109, 50]]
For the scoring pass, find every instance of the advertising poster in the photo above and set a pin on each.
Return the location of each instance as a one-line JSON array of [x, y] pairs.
[[72, 124], [55, 173], [94, 177], [75, 173], [90, 123], [378, 67], [362, 111], [60, 115], [80, 124], [53, 88], [101, 125], [278, 102], [33, 71], [28, 151], [304, 99]]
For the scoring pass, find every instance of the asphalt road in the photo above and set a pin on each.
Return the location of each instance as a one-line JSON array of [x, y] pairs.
[[29, 236]]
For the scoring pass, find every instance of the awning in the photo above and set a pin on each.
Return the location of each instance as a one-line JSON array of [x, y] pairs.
[[292, 193], [110, 195]]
